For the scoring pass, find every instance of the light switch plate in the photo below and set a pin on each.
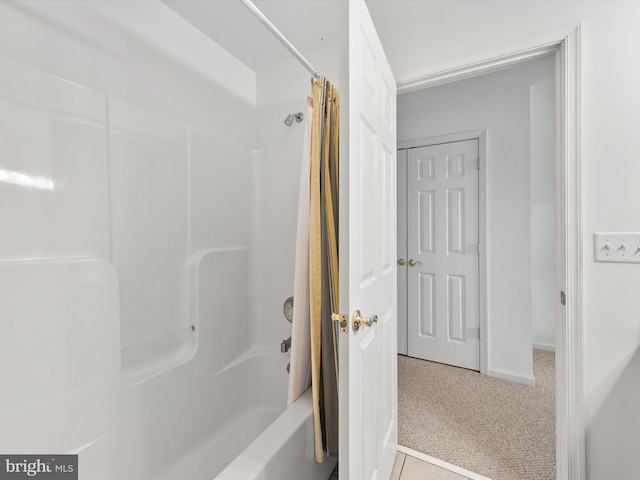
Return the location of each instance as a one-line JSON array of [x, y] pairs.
[[617, 247]]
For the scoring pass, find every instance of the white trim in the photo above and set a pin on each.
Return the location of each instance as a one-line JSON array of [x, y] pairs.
[[512, 377], [483, 61], [570, 430], [449, 138], [569, 391], [483, 238], [440, 463]]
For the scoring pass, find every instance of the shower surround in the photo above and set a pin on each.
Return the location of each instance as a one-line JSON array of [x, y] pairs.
[[147, 196]]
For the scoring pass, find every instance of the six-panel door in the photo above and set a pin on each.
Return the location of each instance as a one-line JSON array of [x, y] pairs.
[[442, 269]]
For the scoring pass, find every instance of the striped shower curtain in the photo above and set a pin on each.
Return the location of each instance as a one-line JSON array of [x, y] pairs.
[[314, 356]]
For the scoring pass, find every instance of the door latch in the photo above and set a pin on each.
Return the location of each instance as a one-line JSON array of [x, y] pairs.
[[342, 320]]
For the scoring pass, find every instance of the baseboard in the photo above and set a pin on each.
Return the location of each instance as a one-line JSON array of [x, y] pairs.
[[545, 347], [440, 463], [513, 377]]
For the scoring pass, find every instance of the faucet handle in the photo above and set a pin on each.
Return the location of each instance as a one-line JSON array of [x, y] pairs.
[[285, 345]]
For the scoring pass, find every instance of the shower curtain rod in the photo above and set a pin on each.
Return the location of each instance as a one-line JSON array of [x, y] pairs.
[[283, 40]]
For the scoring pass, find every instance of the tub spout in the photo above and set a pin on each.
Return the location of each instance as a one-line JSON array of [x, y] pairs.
[[285, 345]]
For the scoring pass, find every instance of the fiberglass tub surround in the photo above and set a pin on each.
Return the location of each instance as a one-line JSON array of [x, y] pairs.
[[148, 210]]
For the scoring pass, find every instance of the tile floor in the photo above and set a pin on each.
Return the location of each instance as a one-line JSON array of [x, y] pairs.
[[407, 467]]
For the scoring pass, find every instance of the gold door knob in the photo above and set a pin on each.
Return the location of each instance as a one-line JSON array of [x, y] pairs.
[[413, 262], [402, 261], [358, 320]]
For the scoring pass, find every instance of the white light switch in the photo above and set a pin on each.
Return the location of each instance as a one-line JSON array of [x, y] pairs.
[[617, 247]]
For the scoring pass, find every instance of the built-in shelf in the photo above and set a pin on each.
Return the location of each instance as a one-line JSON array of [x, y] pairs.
[[150, 358]]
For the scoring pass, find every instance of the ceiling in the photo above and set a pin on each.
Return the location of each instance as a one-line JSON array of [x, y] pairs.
[[234, 28]]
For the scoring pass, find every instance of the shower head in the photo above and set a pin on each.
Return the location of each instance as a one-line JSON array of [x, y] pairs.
[[289, 120]]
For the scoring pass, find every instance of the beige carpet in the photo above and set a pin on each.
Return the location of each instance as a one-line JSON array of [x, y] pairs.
[[502, 430]]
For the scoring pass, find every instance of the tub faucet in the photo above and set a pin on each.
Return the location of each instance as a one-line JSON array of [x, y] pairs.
[[285, 345]]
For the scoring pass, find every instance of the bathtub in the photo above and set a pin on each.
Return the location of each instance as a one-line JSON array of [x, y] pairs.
[[283, 451], [249, 433], [198, 421]]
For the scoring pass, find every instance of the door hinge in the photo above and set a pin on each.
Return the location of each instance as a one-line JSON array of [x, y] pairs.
[[479, 334], [563, 298], [478, 163]]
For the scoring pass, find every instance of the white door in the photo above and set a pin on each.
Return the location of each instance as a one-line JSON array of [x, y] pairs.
[[368, 358], [442, 246]]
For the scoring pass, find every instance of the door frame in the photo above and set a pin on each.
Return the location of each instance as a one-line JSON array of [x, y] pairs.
[[481, 136], [565, 41]]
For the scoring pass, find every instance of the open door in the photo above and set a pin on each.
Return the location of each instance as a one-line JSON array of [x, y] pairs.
[[368, 355]]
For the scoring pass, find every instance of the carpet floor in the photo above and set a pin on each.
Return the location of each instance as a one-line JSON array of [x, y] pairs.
[[499, 429]]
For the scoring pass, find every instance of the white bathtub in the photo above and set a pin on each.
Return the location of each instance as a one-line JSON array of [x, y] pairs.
[[283, 451], [251, 434], [195, 422]]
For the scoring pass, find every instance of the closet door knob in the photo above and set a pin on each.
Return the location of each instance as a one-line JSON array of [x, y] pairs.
[[402, 261], [413, 262]]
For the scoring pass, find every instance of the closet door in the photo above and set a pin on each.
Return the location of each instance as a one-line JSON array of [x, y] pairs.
[[442, 278]]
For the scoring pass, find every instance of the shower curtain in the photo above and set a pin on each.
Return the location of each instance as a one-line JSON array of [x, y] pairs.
[[314, 355]]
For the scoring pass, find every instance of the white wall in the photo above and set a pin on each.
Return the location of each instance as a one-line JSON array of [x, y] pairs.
[[434, 35], [544, 296], [138, 52], [499, 103]]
